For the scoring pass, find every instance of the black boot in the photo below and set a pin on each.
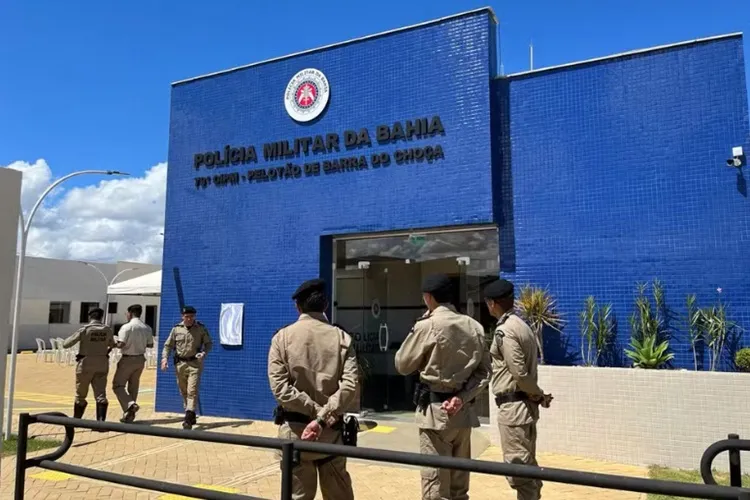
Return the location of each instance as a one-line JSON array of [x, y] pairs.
[[79, 409], [189, 420], [101, 413]]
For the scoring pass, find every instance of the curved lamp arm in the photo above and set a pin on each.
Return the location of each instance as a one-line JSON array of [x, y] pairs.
[[122, 272], [57, 183], [104, 277]]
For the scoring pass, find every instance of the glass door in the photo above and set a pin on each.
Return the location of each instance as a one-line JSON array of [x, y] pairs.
[[377, 297]]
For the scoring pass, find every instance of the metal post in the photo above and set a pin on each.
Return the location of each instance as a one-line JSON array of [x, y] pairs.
[[23, 436], [287, 464], [14, 335], [735, 468], [17, 297]]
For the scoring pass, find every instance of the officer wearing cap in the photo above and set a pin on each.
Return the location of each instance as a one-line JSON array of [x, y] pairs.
[[312, 370], [448, 350], [514, 385], [191, 342], [97, 340]]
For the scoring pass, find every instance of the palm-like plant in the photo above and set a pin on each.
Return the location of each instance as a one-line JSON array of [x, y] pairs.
[[694, 326], [539, 309], [597, 330], [715, 328]]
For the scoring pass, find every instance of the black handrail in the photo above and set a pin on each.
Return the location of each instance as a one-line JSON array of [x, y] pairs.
[[289, 449], [733, 444]]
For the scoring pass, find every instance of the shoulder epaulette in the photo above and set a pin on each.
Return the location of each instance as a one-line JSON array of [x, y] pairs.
[[340, 327], [199, 323]]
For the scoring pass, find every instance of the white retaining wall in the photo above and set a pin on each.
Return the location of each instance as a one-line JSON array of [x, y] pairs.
[[640, 417]]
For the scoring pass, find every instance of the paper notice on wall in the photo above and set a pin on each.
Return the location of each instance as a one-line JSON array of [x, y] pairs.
[[230, 324]]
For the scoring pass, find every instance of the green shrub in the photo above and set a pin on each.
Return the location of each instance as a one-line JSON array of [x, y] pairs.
[[649, 340], [742, 359]]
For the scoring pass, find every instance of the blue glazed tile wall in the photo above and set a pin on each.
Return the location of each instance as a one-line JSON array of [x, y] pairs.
[[254, 243], [614, 173]]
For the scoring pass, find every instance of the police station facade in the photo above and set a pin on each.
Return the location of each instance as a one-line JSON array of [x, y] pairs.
[[377, 161]]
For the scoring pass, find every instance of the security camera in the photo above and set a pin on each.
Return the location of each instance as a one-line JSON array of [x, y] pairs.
[[734, 162], [737, 157]]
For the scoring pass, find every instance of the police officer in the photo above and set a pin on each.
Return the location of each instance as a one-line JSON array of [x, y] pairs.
[[312, 370], [97, 340], [514, 385], [191, 342], [448, 350]]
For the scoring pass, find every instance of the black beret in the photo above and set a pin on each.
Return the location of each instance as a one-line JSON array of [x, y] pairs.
[[96, 310], [188, 310], [436, 283], [308, 287], [498, 289]]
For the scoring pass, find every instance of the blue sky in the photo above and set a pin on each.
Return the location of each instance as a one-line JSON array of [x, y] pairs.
[[86, 84]]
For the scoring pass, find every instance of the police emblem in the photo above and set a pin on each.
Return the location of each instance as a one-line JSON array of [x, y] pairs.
[[306, 95]]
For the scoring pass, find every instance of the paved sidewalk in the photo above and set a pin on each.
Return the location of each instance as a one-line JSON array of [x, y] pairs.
[[48, 387]]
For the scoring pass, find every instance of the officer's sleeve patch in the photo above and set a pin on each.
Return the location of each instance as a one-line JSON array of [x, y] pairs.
[[499, 336]]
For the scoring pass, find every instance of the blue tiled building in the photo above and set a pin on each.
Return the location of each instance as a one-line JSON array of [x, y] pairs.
[[376, 161]]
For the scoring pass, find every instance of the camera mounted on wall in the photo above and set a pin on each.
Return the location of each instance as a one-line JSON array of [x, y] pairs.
[[737, 159]]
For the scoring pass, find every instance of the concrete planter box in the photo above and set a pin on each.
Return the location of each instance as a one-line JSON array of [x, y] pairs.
[[640, 417]]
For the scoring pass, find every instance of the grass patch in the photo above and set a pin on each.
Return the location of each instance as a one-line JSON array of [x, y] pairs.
[[11, 445], [687, 476]]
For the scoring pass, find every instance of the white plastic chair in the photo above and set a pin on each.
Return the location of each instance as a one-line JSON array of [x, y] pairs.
[[70, 354], [42, 352], [62, 352], [151, 357]]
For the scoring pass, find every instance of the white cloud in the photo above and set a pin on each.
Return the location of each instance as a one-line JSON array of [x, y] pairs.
[[117, 219]]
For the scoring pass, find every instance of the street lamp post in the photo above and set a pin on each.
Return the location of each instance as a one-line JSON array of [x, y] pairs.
[[17, 292], [108, 283]]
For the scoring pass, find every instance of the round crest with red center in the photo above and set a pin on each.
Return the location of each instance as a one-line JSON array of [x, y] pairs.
[[306, 95]]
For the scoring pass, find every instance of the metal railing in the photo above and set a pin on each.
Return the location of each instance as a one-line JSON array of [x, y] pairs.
[[290, 449]]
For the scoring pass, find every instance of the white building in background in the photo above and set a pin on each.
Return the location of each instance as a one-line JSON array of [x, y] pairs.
[[57, 295]]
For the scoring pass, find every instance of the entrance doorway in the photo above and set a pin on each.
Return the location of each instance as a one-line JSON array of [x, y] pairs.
[[377, 298]]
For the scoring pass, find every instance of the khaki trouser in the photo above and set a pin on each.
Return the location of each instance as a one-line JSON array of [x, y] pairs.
[[92, 370], [519, 447], [188, 380], [127, 380], [335, 482], [445, 484]]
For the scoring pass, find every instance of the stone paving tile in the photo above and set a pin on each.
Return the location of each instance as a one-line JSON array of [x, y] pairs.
[[236, 468]]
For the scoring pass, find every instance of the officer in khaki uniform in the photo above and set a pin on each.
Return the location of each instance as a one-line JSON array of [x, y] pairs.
[[313, 373], [448, 350], [97, 340], [514, 384], [191, 342]]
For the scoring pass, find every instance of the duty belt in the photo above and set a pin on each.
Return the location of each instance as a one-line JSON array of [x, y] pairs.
[[187, 360], [79, 357], [511, 397]]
